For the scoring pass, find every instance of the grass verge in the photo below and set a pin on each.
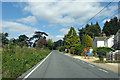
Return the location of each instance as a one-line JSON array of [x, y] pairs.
[[18, 61], [98, 61]]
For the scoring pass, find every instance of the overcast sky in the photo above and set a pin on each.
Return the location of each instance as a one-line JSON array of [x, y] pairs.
[[54, 18]]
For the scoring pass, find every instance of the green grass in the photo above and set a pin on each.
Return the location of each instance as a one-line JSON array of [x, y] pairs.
[[16, 62], [98, 61]]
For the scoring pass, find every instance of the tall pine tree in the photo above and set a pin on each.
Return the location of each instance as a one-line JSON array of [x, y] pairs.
[[111, 27]]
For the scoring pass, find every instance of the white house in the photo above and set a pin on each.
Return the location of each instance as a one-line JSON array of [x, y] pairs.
[[103, 41], [117, 40], [99, 42], [109, 41]]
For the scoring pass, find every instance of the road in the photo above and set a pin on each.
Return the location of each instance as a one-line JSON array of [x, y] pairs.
[[59, 65]]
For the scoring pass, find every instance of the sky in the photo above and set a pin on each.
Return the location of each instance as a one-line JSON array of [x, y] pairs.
[[55, 18]]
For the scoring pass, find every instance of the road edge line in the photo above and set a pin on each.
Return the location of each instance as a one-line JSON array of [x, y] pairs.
[[37, 66]]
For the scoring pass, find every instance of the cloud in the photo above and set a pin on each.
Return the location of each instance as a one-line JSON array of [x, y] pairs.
[[59, 36], [64, 30], [106, 20], [17, 28], [67, 14], [50, 25], [70, 0], [14, 29], [54, 38], [28, 20]]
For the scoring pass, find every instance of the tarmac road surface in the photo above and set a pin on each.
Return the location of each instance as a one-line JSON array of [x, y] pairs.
[[59, 65]]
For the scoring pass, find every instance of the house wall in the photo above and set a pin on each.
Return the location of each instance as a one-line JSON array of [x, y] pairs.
[[106, 43], [94, 43], [110, 41], [100, 44], [117, 40]]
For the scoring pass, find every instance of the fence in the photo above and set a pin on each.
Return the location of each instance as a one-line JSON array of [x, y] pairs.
[[113, 56]]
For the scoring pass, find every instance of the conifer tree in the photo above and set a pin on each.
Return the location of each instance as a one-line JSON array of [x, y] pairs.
[[71, 39]]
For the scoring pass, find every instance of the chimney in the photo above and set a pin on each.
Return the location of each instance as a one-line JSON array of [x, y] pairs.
[[104, 35]]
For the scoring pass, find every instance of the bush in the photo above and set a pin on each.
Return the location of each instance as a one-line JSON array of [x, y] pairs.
[[72, 51], [105, 49], [62, 48], [101, 53], [78, 50]]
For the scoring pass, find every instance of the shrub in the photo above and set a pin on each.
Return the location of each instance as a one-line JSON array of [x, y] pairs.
[[57, 48], [105, 49], [62, 48], [78, 49], [72, 51], [101, 53]]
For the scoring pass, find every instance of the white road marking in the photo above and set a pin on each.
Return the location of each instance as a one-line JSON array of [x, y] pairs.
[[103, 70], [36, 67], [91, 65]]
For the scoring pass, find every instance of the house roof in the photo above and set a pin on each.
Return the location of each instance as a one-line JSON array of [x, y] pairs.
[[100, 38]]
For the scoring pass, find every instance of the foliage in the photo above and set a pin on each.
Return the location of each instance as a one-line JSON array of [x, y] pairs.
[[111, 27], [50, 44], [71, 39], [78, 49], [4, 38], [72, 51], [83, 41], [98, 61], [41, 43], [89, 41], [91, 30], [106, 49], [86, 42], [58, 43], [38, 35], [101, 53], [15, 64], [62, 48]]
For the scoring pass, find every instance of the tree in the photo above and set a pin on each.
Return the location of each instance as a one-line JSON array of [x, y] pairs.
[[81, 32], [41, 43], [71, 39], [98, 27], [89, 41], [78, 49], [4, 38], [58, 43], [83, 42], [92, 30], [50, 44], [38, 35], [111, 27], [22, 40]]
